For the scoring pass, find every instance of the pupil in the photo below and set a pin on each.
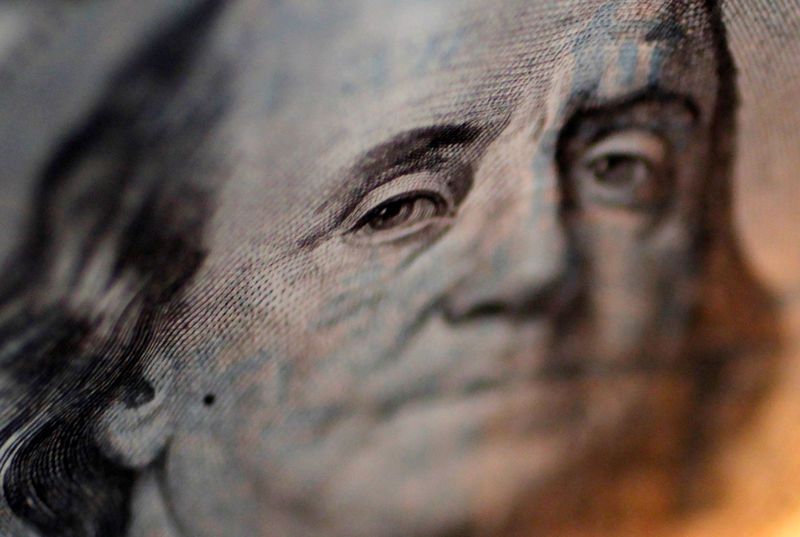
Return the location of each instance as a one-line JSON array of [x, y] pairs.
[[390, 211], [391, 214], [620, 170]]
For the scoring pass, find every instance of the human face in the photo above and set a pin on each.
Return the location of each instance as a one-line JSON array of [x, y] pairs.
[[452, 263]]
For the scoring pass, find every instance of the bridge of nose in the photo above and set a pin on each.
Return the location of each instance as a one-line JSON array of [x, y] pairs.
[[529, 252]]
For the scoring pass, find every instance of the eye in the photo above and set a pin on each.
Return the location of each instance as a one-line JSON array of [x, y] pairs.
[[406, 210], [403, 207], [628, 168], [621, 171]]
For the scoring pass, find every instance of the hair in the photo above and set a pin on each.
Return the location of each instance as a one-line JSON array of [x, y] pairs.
[[117, 232]]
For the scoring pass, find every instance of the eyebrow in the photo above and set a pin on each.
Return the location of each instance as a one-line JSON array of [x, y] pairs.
[[584, 102], [410, 151]]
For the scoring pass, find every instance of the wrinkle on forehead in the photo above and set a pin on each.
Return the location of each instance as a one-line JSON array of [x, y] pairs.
[[364, 60], [321, 87], [630, 47]]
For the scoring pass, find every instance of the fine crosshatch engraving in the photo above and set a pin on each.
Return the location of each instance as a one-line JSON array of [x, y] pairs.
[[379, 268]]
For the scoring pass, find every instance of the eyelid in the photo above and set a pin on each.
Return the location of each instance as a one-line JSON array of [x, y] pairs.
[[401, 186], [638, 142]]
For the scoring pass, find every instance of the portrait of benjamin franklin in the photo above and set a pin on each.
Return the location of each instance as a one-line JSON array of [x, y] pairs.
[[379, 268]]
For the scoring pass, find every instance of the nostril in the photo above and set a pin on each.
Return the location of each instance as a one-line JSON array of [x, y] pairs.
[[477, 299], [461, 311], [464, 304]]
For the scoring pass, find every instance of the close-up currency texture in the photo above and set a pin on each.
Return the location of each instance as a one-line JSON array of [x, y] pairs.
[[399, 268]]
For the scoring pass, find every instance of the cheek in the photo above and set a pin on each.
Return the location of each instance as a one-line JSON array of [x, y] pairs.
[[639, 284], [366, 300]]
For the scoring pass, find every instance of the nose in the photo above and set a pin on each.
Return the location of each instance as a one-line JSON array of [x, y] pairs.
[[515, 296], [531, 272]]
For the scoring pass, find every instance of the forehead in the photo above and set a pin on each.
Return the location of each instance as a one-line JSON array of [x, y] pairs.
[[320, 83], [317, 53]]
